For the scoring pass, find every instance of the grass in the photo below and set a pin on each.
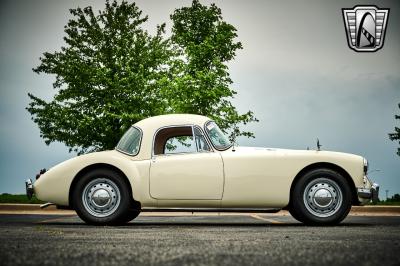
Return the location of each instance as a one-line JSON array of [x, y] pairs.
[[9, 198], [387, 203]]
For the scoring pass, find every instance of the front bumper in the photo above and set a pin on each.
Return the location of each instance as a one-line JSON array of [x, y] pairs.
[[371, 193], [29, 188]]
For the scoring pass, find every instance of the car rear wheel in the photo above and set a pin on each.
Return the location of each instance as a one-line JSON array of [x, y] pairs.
[[321, 196], [102, 197]]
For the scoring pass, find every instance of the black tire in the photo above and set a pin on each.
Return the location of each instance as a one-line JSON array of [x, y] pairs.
[[121, 212], [132, 214], [294, 214], [321, 197]]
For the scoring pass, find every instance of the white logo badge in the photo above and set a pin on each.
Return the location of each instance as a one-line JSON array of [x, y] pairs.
[[365, 27]]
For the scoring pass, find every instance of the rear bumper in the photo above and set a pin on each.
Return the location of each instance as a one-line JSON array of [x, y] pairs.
[[29, 188], [371, 193]]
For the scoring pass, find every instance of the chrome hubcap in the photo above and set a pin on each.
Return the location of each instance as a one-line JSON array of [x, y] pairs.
[[101, 197], [323, 197]]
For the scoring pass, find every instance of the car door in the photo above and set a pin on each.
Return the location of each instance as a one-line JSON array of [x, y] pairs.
[[184, 167]]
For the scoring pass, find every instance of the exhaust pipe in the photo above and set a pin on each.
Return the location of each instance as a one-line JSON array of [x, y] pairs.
[[46, 205]]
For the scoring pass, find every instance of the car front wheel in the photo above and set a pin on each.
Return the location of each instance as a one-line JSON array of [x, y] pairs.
[[321, 196]]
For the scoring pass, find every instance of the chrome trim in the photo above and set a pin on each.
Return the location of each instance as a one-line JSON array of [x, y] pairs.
[[184, 209], [369, 193], [29, 188], [364, 193], [140, 143], [194, 143], [365, 168], [375, 192], [205, 137], [46, 205]]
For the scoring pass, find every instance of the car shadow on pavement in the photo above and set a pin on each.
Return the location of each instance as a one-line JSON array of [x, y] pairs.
[[194, 221], [206, 224]]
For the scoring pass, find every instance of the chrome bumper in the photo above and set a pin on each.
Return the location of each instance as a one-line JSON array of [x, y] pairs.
[[369, 193], [29, 188]]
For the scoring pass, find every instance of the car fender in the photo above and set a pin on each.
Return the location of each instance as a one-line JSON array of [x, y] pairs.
[[54, 185]]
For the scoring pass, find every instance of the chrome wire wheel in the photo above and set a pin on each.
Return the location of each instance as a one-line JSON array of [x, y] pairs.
[[101, 197], [323, 197]]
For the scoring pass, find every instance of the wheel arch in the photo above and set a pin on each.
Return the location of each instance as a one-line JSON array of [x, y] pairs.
[[92, 167], [330, 166]]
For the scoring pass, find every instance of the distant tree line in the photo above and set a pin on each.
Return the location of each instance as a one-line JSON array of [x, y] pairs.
[[394, 198], [395, 136]]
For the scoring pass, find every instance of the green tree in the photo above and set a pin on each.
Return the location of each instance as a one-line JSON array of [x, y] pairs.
[[108, 76], [111, 73], [396, 135], [204, 43]]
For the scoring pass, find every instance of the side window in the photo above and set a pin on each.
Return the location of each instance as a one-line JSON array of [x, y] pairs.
[[184, 139], [174, 140], [200, 140], [130, 141], [179, 144]]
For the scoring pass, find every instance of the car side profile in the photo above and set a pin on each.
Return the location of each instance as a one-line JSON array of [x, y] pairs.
[[184, 162]]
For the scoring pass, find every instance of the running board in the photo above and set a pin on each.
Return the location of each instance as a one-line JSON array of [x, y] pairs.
[[261, 210]]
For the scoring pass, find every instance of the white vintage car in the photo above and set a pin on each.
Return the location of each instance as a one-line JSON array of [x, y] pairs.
[[184, 162]]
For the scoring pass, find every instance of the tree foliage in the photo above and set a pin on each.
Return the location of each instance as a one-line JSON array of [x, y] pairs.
[[394, 198], [205, 43], [395, 136], [108, 77], [112, 73]]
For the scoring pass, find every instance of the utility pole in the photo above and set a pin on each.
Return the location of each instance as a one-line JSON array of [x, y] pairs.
[[387, 192]]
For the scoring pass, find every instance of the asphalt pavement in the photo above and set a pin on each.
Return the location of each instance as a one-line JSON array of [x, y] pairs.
[[201, 239]]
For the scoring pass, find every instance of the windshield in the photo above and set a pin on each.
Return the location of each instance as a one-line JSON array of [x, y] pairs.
[[130, 141], [217, 137]]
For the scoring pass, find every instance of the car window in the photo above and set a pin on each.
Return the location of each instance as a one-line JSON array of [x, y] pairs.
[[217, 137], [180, 139], [176, 139], [180, 144], [130, 141], [200, 140]]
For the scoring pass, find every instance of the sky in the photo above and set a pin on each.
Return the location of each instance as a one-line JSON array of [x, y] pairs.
[[295, 72]]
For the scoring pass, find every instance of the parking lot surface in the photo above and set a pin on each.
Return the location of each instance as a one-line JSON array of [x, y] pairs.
[[201, 239]]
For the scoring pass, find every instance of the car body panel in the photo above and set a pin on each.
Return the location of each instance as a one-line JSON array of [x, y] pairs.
[[239, 177], [262, 177], [169, 178], [55, 184]]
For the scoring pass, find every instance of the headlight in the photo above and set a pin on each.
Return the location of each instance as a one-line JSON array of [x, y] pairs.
[[365, 166]]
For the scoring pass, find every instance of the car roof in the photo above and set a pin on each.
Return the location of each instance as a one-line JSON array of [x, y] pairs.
[[149, 127], [156, 122]]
